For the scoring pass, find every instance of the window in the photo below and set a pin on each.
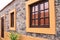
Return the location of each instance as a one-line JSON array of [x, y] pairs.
[[40, 16], [12, 20], [2, 25]]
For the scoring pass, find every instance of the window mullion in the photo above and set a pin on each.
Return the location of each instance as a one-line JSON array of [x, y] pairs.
[[34, 16], [44, 14], [39, 15]]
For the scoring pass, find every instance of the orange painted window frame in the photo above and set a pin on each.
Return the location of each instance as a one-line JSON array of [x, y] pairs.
[[12, 28], [52, 29]]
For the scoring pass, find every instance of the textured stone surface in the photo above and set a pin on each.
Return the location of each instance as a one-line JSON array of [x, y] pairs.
[[21, 19]]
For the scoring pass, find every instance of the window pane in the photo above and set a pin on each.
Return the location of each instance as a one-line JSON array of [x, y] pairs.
[[2, 27], [32, 9], [36, 14], [46, 21], [41, 14], [32, 15], [32, 22], [12, 19], [41, 6], [46, 5], [46, 13], [36, 8], [42, 22], [36, 22]]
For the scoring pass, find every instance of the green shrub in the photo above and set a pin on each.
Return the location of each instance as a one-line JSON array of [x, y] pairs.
[[13, 36]]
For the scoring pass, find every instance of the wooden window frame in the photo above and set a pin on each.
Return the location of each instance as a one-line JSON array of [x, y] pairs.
[[52, 29], [4, 25], [12, 28], [39, 15]]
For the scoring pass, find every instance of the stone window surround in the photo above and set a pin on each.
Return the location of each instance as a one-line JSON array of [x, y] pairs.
[[12, 28], [52, 29]]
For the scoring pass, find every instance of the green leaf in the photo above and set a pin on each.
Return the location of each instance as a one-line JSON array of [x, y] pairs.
[[13, 36]]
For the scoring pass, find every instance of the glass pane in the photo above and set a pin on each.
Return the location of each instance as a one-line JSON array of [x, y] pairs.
[[36, 14], [46, 5], [2, 27], [46, 13], [46, 21], [12, 19], [42, 22], [32, 22], [32, 9], [32, 15], [36, 8], [36, 22], [41, 14], [41, 6]]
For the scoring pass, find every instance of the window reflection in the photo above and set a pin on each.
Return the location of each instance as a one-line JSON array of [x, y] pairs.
[[46, 5], [36, 22], [36, 8], [46, 21], [41, 14], [41, 6], [42, 22], [46, 13], [32, 9]]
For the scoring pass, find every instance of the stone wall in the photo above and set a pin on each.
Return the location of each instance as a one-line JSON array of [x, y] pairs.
[[21, 19]]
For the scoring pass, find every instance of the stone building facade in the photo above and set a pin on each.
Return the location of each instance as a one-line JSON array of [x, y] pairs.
[[20, 7]]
